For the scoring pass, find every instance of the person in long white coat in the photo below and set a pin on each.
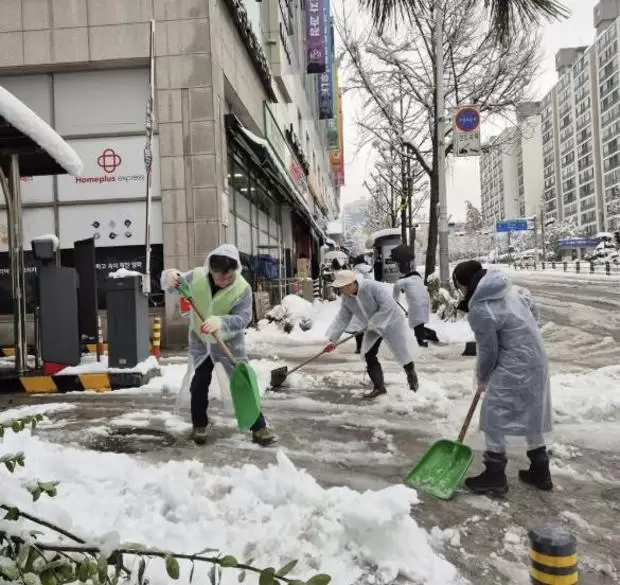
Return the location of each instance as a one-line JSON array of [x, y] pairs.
[[418, 302], [224, 298], [371, 302], [512, 369], [360, 266]]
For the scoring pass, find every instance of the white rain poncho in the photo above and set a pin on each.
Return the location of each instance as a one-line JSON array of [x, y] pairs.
[[374, 305], [233, 325], [418, 299], [358, 324], [512, 361]]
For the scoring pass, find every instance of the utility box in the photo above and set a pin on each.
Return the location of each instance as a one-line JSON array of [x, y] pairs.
[[128, 322]]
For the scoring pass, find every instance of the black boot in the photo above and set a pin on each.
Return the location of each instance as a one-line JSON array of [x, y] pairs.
[[412, 377], [492, 481], [376, 375], [538, 474], [359, 339]]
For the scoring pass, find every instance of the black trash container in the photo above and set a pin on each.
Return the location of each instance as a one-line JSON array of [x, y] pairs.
[[128, 322]]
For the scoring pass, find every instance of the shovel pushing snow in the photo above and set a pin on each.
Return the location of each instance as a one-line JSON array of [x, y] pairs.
[[279, 375], [243, 382], [442, 468]]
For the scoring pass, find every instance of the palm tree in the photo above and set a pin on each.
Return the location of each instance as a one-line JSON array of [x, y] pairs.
[[505, 15]]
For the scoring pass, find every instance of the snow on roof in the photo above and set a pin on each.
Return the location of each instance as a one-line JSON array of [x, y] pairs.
[[386, 232], [26, 121], [48, 238]]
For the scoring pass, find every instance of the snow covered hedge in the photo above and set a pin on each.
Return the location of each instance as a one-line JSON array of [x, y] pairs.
[[27, 559], [293, 311], [443, 300]]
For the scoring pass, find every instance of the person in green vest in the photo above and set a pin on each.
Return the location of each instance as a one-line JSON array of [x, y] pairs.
[[224, 298]]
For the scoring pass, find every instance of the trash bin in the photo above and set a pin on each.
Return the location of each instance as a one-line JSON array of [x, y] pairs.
[[128, 322]]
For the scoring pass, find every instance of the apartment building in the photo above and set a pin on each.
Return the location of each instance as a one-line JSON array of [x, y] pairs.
[[244, 136], [581, 130]]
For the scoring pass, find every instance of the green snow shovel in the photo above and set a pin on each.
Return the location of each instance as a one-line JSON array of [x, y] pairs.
[[243, 383], [442, 468]]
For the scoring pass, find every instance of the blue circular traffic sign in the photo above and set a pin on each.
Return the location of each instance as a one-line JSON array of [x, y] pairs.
[[467, 119]]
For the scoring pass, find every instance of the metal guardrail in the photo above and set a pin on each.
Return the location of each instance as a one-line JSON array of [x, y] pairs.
[[577, 267]]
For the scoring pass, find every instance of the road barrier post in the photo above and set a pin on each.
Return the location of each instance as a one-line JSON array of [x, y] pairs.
[[553, 265], [591, 267], [553, 557], [577, 266], [565, 266], [156, 350], [607, 268]]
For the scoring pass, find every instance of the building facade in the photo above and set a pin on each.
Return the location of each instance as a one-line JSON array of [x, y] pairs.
[[243, 151], [581, 131], [511, 169]]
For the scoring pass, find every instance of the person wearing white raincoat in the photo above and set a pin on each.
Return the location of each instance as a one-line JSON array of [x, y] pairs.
[[224, 298], [512, 368], [371, 302], [418, 302], [360, 267]]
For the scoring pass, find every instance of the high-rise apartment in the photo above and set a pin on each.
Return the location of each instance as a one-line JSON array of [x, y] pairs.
[[511, 169], [581, 130]]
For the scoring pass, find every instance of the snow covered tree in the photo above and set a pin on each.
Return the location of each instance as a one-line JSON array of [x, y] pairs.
[[558, 231], [506, 16], [395, 76], [473, 218]]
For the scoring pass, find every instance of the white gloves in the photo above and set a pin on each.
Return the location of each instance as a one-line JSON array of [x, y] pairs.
[[211, 325], [171, 277]]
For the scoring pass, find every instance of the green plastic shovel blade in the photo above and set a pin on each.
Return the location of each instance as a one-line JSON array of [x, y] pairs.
[[441, 469], [245, 395]]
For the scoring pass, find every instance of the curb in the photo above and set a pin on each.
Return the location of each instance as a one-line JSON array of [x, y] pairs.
[[59, 384]]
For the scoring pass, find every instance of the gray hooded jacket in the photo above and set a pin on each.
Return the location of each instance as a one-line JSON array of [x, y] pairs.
[[512, 361], [418, 299], [233, 325]]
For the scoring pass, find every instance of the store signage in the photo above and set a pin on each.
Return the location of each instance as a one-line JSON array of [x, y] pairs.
[[325, 86], [315, 36], [113, 169], [110, 224], [276, 139]]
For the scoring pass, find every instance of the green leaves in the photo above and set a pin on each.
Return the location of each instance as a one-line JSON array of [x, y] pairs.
[[12, 514], [228, 561], [320, 579], [45, 487], [286, 569], [172, 567], [12, 460], [267, 577]]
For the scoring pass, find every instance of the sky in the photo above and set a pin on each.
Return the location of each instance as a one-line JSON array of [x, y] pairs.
[[462, 178]]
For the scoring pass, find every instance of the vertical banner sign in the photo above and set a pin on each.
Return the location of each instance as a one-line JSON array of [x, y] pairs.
[[315, 36], [332, 123], [340, 174], [326, 85]]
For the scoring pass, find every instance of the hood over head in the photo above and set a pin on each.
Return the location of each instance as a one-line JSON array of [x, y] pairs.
[[493, 285], [363, 268], [228, 251]]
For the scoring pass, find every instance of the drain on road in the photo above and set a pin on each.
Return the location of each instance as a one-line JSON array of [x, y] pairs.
[[131, 440]]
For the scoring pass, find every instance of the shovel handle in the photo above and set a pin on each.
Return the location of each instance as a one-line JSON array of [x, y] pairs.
[[470, 414], [222, 345], [318, 355], [403, 308]]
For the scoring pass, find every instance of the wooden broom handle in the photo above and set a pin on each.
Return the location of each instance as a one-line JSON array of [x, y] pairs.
[[222, 345], [470, 414], [318, 355]]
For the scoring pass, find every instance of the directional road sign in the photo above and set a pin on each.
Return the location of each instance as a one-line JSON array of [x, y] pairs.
[[512, 225]]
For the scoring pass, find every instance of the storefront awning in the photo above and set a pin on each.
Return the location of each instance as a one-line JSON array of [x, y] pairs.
[[265, 152]]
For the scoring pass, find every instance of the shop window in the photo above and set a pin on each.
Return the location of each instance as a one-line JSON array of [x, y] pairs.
[[243, 207], [263, 221], [232, 229], [244, 236]]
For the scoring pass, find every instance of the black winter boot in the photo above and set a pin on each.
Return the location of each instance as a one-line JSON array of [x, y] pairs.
[[538, 474], [412, 377], [492, 481], [376, 375]]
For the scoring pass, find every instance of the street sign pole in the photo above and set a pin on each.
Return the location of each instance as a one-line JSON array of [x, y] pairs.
[[444, 260]]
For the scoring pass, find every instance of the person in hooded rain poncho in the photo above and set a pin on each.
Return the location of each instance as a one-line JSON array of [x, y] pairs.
[[360, 266], [512, 369], [418, 301], [224, 298], [371, 302]]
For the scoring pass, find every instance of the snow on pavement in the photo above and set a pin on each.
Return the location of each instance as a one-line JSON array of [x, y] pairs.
[[273, 514]]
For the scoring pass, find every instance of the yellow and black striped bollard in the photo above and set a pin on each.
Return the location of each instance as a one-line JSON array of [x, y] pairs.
[[553, 556], [156, 350]]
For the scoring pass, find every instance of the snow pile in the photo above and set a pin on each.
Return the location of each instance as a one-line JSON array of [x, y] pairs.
[[26, 121], [123, 273], [294, 310], [587, 396], [90, 365], [272, 515]]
